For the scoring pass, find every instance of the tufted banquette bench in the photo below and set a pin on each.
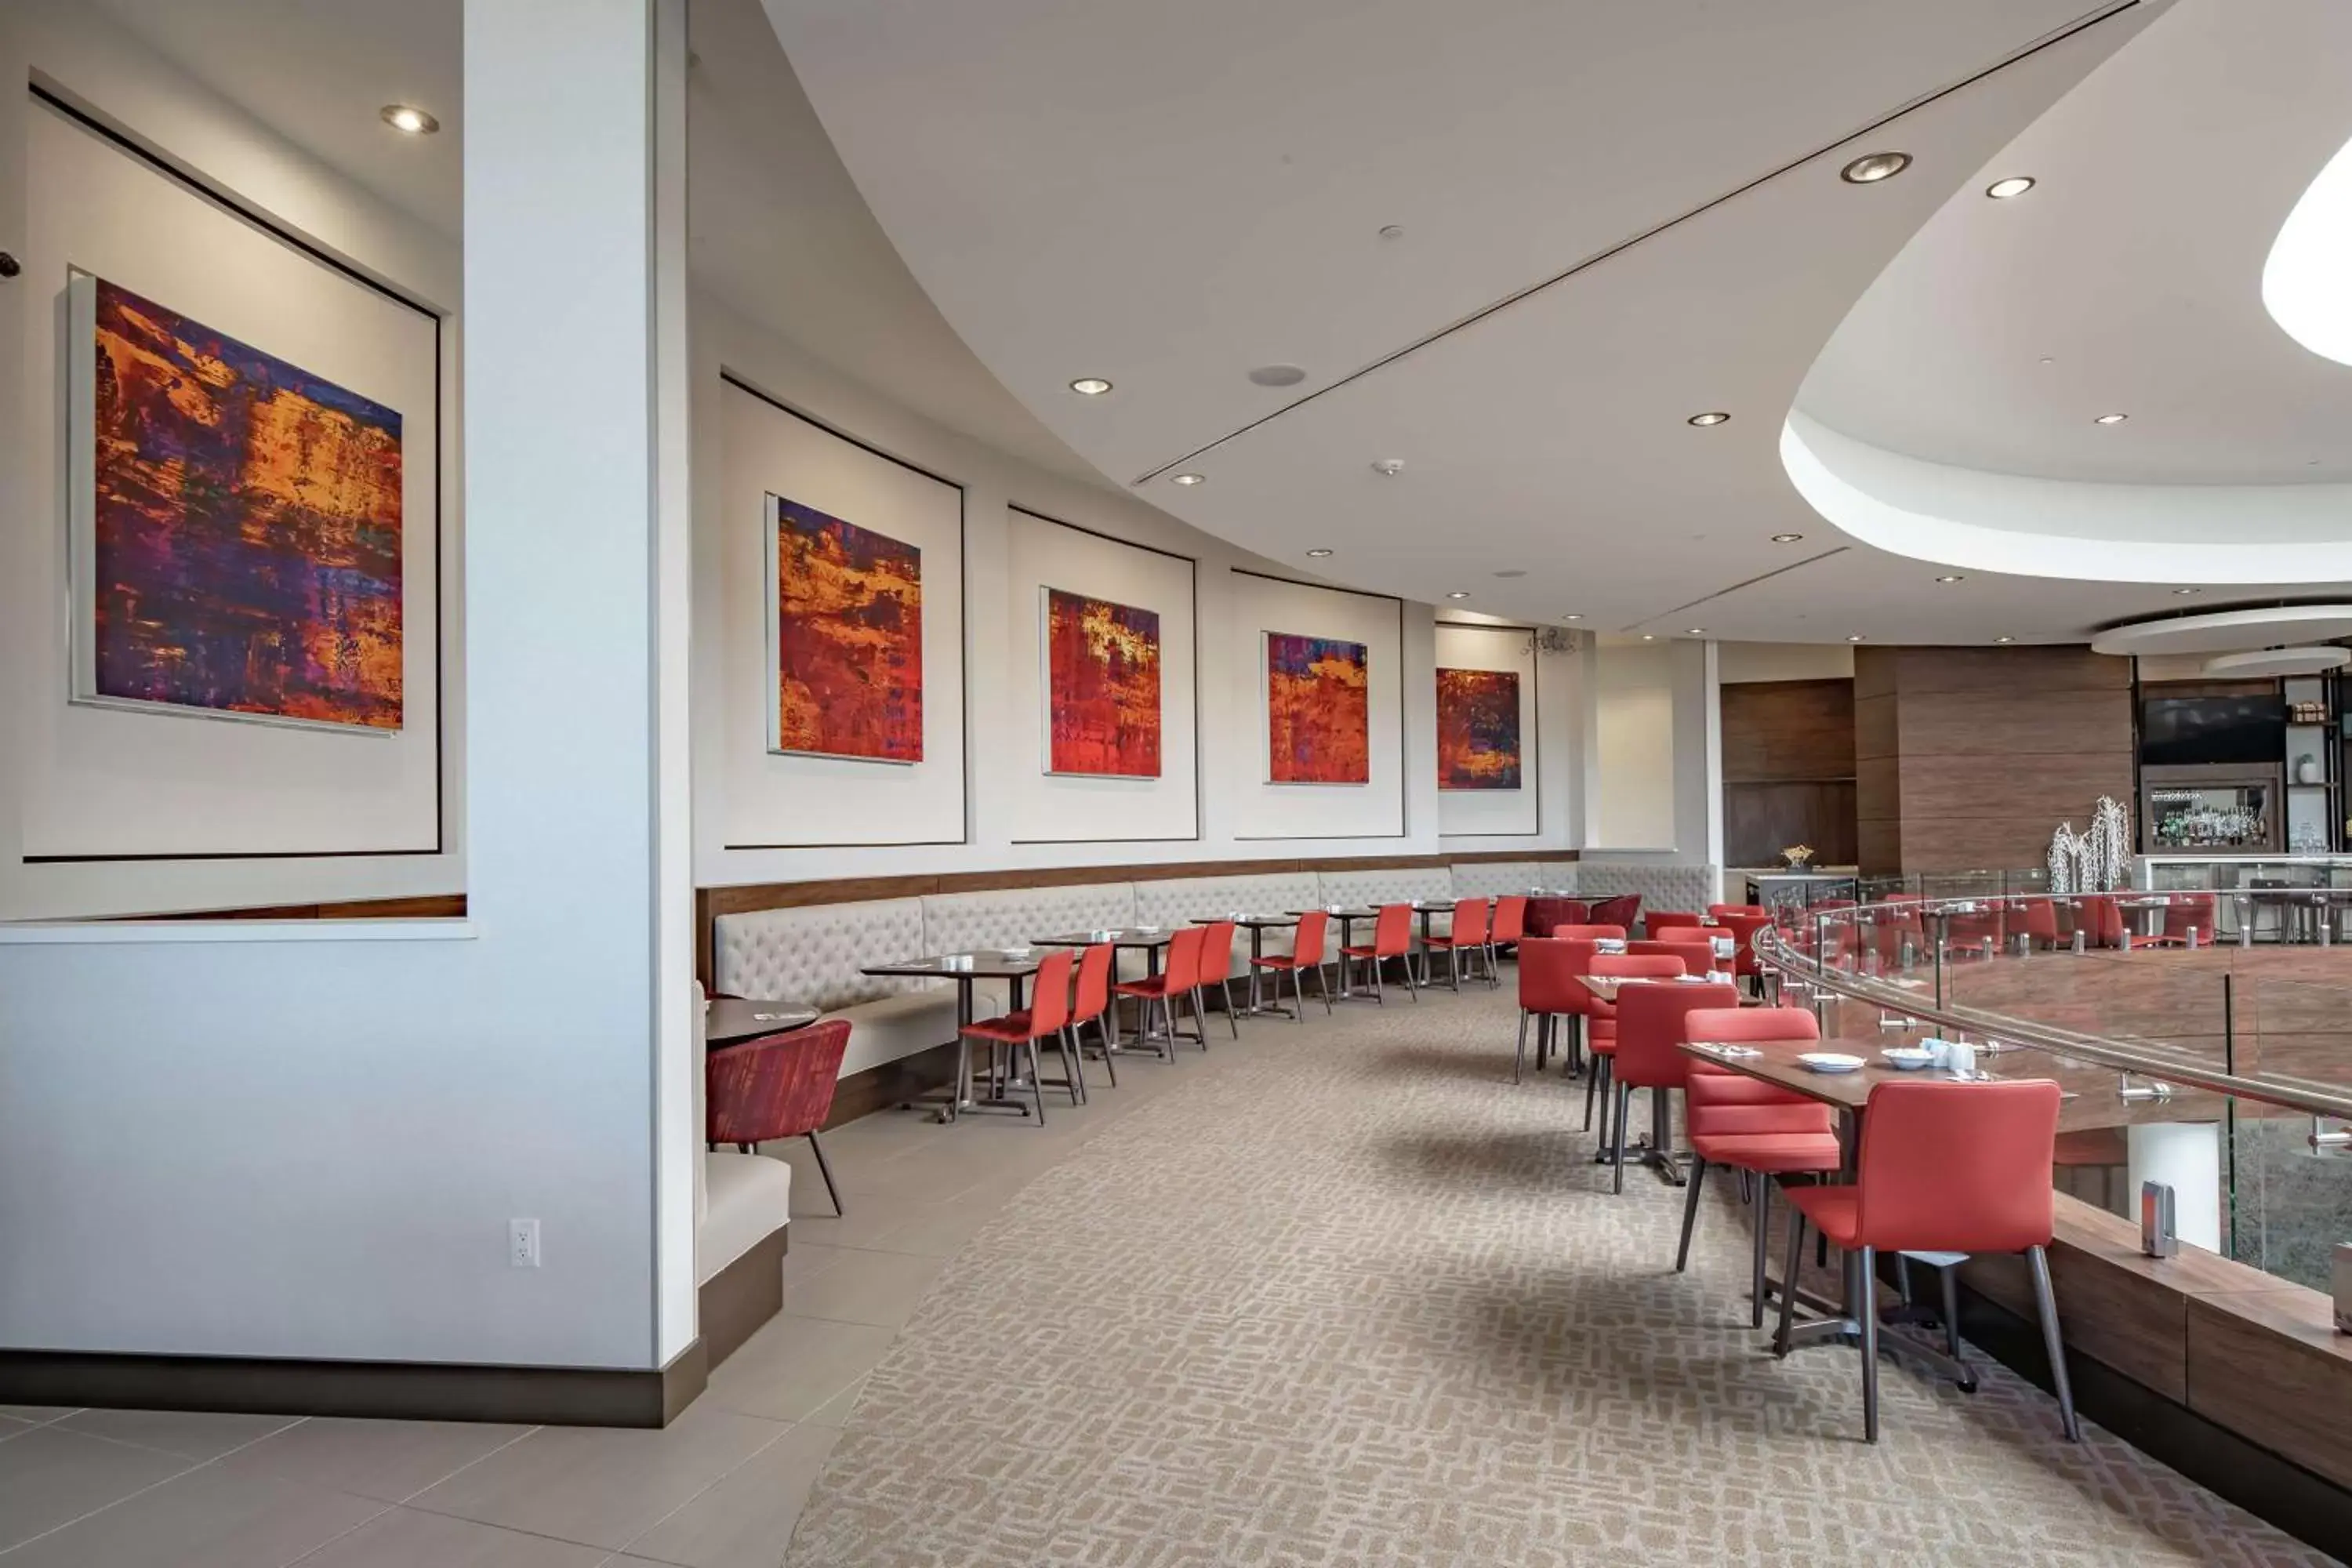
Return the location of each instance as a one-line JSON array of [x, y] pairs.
[[812, 953]]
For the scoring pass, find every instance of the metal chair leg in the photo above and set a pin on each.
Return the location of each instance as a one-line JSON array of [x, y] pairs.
[[1520, 1060], [1233, 1017], [1110, 1063], [1037, 1081], [1071, 1057], [1763, 1218], [1950, 1281], [1788, 1279], [826, 1171], [1617, 1136], [1863, 1305], [1591, 1090], [1412, 985], [1690, 1212], [2045, 1307]]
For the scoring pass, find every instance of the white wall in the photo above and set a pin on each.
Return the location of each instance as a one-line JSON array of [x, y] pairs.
[[1654, 765], [72, 50]]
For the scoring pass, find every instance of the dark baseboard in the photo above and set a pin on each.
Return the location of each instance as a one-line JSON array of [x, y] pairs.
[[2308, 1507], [408, 1391], [735, 1301], [891, 1084]]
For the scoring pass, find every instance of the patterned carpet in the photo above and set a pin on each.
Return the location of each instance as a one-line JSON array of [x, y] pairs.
[[1349, 1296]]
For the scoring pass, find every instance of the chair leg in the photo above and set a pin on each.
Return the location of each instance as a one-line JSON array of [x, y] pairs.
[[826, 1171], [1232, 1014], [1863, 1305], [2045, 1307], [1410, 984], [1617, 1136], [1763, 1218], [1690, 1212], [1951, 1280], [1520, 1060], [1543, 1040], [1788, 1279], [1591, 1090], [1071, 1057]]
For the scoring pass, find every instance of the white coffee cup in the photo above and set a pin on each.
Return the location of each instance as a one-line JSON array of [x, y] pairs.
[[1960, 1058]]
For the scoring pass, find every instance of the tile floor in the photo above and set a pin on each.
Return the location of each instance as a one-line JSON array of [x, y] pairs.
[[720, 1488]]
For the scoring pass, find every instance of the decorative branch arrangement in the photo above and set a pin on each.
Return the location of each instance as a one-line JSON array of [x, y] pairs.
[[2095, 861]]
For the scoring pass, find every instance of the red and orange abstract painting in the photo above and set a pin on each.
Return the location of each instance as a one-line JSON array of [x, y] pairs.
[[849, 640], [1477, 728], [1102, 688], [1319, 711], [244, 531]]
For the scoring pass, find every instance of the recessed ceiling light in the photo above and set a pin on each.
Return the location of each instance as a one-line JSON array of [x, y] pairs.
[[1392, 231], [2111, 419], [1319, 554], [2015, 185], [1698, 631], [1188, 479], [1715, 417], [2004, 639], [1786, 537], [409, 119], [1856, 637], [1647, 637], [1278, 376], [1577, 616], [2187, 591], [2045, 359], [1090, 386], [1388, 467], [1949, 577], [1459, 593], [1873, 167]]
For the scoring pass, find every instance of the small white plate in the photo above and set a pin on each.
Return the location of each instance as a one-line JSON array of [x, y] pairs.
[[1909, 1058], [1831, 1061]]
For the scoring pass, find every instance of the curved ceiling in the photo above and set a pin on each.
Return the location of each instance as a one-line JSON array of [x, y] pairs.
[[1613, 218]]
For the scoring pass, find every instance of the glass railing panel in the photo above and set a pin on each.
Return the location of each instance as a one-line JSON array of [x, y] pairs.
[[2291, 1179]]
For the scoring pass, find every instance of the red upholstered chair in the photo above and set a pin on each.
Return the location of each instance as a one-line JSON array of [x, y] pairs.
[[1943, 1167], [1600, 1029], [1305, 952], [1549, 988], [1648, 1052], [1091, 1004], [1047, 1016], [1592, 1016], [1465, 934], [1179, 977], [1546, 916], [1589, 933], [1622, 910], [2037, 922], [2100, 920], [2184, 913], [1719, 910], [1741, 927], [1392, 938], [1694, 945], [778, 1086], [1217, 970], [1657, 920], [1752, 1126], [1510, 924]]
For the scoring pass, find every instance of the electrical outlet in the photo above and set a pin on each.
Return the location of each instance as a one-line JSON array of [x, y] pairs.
[[522, 1243]]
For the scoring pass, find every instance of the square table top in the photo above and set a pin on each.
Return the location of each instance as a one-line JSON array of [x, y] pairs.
[[1250, 923], [2088, 1093], [1605, 986], [1352, 913], [987, 963], [1122, 936]]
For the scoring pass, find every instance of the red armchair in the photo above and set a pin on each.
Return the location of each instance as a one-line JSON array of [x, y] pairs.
[[779, 1086]]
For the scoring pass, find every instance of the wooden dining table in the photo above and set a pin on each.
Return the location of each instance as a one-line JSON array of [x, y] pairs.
[[1347, 915], [967, 969], [731, 1020], [1257, 926], [1608, 986]]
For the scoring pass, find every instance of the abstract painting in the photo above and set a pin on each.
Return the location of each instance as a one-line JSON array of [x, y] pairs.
[[1477, 728], [1102, 688], [849, 622], [242, 547], [1319, 711]]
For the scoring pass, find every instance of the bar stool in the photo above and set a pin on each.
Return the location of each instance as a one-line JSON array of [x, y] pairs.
[[1305, 952], [1392, 938], [1048, 1014], [1943, 1167], [1647, 1054]]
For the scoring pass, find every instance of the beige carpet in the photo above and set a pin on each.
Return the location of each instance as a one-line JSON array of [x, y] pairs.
[[1352, 1297]]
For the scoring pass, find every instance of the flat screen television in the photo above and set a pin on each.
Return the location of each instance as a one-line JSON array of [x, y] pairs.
[[2187, 731]]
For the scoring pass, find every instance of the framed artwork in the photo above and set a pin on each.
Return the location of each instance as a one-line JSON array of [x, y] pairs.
[[1319, 711], [1477, 728], [1102, 687], [236, 525], [845, 638]]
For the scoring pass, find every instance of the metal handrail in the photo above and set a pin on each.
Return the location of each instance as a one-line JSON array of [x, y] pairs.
[[2175, 1067]]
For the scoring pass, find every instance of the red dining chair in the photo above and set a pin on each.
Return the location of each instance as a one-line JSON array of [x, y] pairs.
[[1589, 933], [2037, 922], [1681, 942], [1091, 1004], [1549, 989], [1657, 920], [2185, 913], [1621, 911], [1180, 976], [1465, 934], [1047, 1016], [1589, 1014], [778, 1086], [1601, 1032], [1392, 938], [1305, 952], [1509, 925], [1217, 969], [1943, 1167], [1719, 910], [2100, 921], [1766, 1133], [1741, 927], [1648, 1053]]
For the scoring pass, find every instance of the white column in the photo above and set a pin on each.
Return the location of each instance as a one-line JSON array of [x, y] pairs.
[[2187, 1157]]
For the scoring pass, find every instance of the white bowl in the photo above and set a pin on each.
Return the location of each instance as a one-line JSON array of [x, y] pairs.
[[1910, 1058], [1831, 1061]]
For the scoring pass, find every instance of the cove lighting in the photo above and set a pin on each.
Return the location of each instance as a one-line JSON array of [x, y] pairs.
[[1319, 554], [1188, 480], [409, 119], [2015, 185], [2111, 419], [1714, 416], [1873, 167], [1090, 386]]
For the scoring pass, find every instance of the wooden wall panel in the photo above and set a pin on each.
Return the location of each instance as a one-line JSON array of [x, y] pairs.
[[1759, 820], [1874, 726], [2269, 1365], [1921, 670], [1776, 731], [2025, 721]]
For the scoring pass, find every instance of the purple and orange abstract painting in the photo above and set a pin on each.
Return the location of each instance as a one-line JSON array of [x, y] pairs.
[[246, 530], [1102, 688], [849, 640], [1477, 728], [1319, 711]]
